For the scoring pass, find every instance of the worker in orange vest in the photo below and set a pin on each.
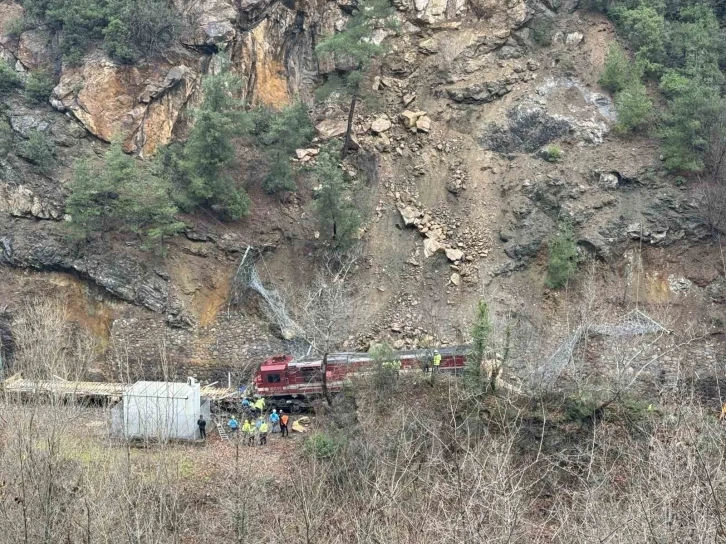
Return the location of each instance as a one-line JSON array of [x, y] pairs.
[[283, 424]]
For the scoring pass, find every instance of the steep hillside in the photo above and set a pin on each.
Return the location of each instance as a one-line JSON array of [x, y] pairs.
[[481, 141]]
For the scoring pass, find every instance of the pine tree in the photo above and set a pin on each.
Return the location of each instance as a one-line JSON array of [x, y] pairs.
[[562, 263], [209, 151], [354, 48], [481, 331], [123, 195], [337, 212], [281, 133]]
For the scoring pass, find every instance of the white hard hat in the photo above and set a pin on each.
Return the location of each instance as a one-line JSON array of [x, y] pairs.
[[274, 411]]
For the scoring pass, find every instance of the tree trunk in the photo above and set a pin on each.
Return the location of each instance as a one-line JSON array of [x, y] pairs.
[[323, 370], [349, 130]]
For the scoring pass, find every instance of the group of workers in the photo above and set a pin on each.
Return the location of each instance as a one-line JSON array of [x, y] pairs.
[[278, 421]]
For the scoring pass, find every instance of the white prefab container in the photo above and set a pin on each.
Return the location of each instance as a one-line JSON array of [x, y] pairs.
[[162, 410]]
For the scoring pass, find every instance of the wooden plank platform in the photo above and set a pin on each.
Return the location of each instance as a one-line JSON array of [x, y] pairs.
[[17, 384]]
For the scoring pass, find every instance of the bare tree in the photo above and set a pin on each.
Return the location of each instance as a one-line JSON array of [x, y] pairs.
[[327, 309], [48, 345]]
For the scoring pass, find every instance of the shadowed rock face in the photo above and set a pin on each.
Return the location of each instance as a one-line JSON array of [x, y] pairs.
[[124, 277]]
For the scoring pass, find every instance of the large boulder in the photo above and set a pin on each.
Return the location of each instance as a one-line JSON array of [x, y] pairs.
[[34, 49]]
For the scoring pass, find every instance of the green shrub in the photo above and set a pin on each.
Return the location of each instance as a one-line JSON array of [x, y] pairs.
[[553, 153], [81, 21], [562, 263], [633, 107], [645, 29], [6, 138], [279, 176], [130, 29], [140, 28], [322, 446], [9, 78], [481, 331], [543, 30], [17, 26], [39, 150], [618, 72], [672, 83], [38, 86]]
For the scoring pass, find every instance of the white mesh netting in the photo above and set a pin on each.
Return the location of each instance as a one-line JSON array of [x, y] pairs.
[[247, 277], [633, 323]]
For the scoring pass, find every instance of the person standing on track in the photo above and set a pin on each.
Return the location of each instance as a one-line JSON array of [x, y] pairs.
[[284, 418]]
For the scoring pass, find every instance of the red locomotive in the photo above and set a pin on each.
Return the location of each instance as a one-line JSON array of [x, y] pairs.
[[293, 383]]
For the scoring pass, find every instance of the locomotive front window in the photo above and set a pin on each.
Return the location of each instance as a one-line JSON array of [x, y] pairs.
[[273, 378]]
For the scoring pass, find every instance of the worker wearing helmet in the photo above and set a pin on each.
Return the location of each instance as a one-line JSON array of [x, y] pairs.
[[247, 432], [263, 433], [275, 421], [437, 360], [260, 405]]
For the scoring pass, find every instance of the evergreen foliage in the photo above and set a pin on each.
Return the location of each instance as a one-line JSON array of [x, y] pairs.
[[682, 45], [124, 196], [352, 50], [39, 150], [337, 211], [481, 331], [130, 29], [6, 138], [619, 71], [9, 78], [138, 28], [201, 170], [543, 30], [691, 128], [38, 86], [562, 263], [633, 107], [279, 134]]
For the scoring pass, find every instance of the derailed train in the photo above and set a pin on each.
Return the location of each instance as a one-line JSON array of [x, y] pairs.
[[295, 383]]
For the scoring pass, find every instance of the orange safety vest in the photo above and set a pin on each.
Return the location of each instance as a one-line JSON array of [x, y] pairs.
[[284, 419]]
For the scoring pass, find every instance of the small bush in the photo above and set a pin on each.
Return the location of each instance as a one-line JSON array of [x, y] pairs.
[[39, 150], [139, 28], [9, 78], [38, 86], [673, 83], [553, 153], [322, 445], [6, 138], [17, 26], [543, 31], [562, 263], [633, 108]]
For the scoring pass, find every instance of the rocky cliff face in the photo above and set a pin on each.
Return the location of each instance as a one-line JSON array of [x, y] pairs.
[[466, 197]]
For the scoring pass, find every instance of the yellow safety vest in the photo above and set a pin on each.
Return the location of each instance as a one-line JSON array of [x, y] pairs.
[[260, 404], [247, 427], [263, 428], [437, 359]]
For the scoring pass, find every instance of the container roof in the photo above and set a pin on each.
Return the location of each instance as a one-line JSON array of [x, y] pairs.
[[167, 390]]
